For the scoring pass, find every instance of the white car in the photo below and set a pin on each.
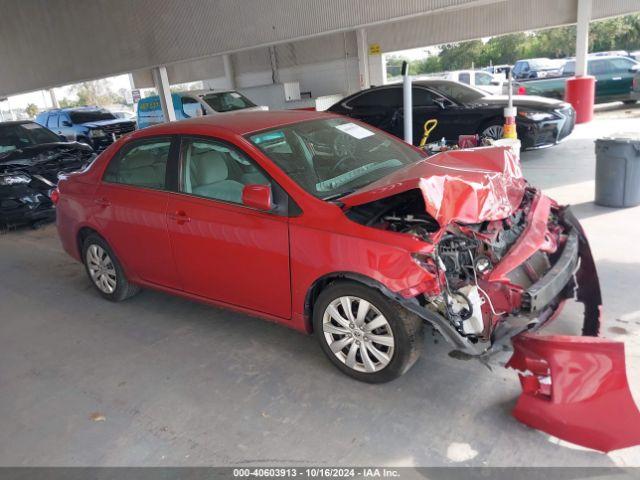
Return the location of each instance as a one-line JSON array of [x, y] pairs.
[[493, 84]]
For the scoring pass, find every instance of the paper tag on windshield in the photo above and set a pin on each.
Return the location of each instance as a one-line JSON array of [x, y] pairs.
[[30, 126], [235, 95], [354, 130]]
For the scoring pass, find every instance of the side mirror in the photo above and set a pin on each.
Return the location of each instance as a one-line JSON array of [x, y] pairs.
[[67, 123], [635, 69], [440, 103], [497, 83], [257, 196]]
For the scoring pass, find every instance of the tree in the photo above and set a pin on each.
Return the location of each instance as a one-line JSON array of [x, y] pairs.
[[31, 110], [620, 33], [95, 92]]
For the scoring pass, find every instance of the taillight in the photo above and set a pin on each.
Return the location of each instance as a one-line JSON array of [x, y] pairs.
[[634, 83], [522, 90], [54, 196]]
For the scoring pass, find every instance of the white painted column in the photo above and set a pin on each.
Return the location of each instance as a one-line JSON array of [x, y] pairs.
[[582, 36], [229, 73], [161, 82], [363, 58], [377, 70], [54, 99]]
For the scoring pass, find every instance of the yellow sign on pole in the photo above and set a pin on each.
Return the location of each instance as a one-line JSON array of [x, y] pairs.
[[374, 49]]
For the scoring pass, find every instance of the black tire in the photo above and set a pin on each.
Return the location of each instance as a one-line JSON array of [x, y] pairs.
[[123, 288], [406, 327], [496, 122], [629, 102]]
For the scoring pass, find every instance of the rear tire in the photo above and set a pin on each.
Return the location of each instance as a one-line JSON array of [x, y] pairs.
[[380, 340], [493, 129], [629, 102], [104, 270]]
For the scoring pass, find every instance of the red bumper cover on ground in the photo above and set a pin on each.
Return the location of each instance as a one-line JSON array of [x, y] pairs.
[[576, 389]]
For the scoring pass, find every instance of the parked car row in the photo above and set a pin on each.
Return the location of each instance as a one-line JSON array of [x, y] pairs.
[[614, 79]]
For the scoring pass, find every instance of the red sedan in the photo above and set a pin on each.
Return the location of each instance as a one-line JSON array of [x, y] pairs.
[[328, 226], [333, 227]]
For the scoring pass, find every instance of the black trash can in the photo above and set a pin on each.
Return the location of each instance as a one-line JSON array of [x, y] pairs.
[[618, 170]]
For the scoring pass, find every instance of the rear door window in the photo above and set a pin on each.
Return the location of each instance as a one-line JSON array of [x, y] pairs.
[[142, 163], [422, 97], [464, 78], [390, 97], [598, 67], [52, 121]]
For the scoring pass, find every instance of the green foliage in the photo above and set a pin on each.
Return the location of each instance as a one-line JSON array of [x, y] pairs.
[[31, 110], [620, 33]]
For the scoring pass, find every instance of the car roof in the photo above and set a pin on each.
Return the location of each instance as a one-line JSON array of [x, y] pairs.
[[240, 122], [15, 122], [73, 109]]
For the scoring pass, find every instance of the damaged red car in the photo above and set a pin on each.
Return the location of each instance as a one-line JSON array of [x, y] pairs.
[[335, 228]]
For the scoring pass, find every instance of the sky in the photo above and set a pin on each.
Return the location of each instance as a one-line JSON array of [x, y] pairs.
[[43, 100]]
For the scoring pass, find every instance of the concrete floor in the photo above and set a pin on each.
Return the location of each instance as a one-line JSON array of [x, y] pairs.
[[158, 380]]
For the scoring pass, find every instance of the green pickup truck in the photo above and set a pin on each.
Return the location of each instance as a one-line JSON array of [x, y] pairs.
[[614, 80]]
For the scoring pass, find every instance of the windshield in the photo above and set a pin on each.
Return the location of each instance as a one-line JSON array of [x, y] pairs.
[[227, 101], [542, 64], [21, 135], [87, 116], [332, 157], [457, 91]]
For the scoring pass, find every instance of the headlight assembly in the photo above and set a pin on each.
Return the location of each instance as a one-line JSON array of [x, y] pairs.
[[97, 133], [536, 116], [18, 179]]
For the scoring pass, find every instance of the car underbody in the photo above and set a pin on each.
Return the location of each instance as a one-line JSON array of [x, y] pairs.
[[503, 265]]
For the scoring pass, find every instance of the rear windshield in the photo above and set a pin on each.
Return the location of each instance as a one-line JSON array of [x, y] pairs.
[[227, 101], [20, 135], [91, 116]]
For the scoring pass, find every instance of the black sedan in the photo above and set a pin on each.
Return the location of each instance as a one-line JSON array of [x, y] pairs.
[[31, 159], [460, 109]]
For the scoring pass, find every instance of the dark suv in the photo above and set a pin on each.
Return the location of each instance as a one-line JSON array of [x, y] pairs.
[[91, 125]]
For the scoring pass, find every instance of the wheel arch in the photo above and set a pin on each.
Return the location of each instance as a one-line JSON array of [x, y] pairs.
[[321, 283], [81, 236]]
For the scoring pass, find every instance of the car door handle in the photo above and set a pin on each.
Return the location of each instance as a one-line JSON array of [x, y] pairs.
[[179, 217], [103, 202]]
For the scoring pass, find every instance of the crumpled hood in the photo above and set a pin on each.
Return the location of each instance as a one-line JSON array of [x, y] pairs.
[[44, 152], [466, 186]]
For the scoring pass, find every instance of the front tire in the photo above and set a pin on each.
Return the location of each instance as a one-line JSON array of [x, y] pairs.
[[364, 334], [104, 270]]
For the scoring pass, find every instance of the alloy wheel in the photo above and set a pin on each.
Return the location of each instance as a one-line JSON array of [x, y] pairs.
[[358, 334], [494, 132], [101, 269]]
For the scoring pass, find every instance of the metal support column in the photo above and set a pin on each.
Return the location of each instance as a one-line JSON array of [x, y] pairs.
[[229, 73], [161, 82], [363, 58]]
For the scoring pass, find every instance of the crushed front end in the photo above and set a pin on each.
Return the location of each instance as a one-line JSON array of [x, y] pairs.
[[28, 176], [503, 260]]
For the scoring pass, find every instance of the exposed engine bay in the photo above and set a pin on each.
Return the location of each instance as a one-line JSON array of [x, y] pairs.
[[501, 259], [462, 259], [28, 175]]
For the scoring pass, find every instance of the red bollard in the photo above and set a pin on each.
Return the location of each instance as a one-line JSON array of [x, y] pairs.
[[580, 92]]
